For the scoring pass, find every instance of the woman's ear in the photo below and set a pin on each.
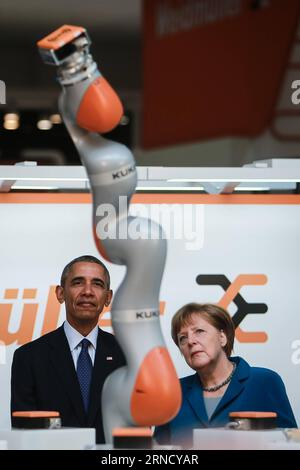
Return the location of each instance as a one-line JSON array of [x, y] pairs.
[[223, 338]]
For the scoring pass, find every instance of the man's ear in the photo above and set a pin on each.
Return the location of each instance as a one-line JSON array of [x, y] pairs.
[[108, 297], [59, 291]]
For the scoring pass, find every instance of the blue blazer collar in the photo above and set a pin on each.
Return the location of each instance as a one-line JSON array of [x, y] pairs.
[[194, 392], [236, 386], [195, 398]]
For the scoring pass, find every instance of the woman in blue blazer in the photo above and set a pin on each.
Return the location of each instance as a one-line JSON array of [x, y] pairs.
[[222, 384]]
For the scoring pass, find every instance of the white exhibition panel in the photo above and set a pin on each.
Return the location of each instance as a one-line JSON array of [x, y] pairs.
[[253, 235]]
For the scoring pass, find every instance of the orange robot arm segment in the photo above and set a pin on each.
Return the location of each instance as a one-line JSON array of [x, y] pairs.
[[151, 400], [100, 109]]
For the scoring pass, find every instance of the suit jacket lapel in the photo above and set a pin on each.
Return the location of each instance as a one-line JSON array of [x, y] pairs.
[[63, 364], [102, 368]]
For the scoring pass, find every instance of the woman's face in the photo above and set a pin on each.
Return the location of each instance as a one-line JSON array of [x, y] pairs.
[[201, 343]]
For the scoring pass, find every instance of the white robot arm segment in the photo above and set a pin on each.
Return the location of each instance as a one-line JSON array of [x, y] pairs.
[[146, 392]]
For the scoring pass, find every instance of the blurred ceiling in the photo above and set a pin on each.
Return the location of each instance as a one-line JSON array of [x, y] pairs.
[[31, 87], [114, 27], [36, 17]]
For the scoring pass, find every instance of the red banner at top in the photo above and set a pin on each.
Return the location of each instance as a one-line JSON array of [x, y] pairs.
[[213, 68]]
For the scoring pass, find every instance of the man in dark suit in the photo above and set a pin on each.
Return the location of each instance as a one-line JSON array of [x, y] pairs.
[[65, 370]]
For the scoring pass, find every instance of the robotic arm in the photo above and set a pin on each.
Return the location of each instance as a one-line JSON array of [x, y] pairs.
[[146, 392]]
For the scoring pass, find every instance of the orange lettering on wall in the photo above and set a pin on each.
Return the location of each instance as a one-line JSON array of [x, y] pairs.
[[250, 336], [234, 288], [52, 312], [25, 331]]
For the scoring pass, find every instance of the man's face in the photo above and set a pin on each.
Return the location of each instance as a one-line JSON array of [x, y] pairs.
[[85, 293]]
